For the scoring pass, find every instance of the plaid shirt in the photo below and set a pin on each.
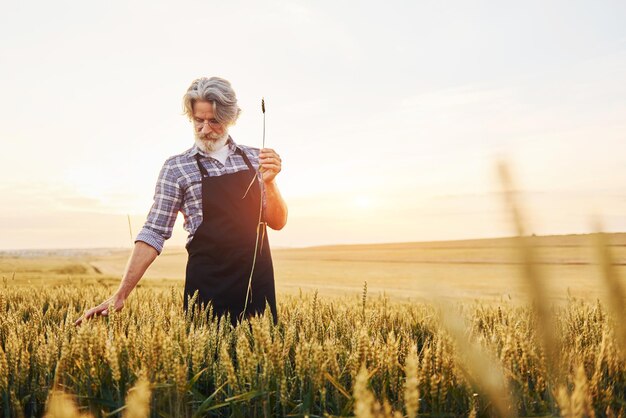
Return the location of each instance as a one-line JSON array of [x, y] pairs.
[[179, 188]]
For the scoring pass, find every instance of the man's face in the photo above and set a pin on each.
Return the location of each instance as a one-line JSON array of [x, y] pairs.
[[207, 129]]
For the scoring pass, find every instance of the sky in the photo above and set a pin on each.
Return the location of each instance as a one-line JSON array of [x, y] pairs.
[[390, 117]]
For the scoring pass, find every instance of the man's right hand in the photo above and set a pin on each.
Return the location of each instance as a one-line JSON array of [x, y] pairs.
[[143, 255], [114, 302]]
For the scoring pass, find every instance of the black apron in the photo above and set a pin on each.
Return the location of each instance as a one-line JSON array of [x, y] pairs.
[[222, 249]]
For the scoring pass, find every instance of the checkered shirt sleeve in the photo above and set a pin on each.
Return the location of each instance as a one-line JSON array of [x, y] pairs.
[[168, 198]]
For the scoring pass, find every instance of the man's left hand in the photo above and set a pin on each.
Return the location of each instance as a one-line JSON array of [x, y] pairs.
[[270, 164]]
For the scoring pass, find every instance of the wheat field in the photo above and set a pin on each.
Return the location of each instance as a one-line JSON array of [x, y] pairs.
[[407, 360], [359, 351]]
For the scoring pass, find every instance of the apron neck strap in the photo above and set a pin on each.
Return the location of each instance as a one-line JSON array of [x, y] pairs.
[[245, 159], [201, 167]]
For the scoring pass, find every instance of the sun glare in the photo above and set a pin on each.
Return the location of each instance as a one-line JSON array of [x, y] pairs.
[[363, 202]]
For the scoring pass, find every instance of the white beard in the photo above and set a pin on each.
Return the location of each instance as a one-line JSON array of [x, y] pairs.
[[210, 142]]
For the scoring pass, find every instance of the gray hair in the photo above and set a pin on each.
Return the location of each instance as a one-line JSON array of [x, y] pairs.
[[217, 91]]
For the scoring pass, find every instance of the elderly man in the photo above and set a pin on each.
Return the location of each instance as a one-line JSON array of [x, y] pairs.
[[226, 192]]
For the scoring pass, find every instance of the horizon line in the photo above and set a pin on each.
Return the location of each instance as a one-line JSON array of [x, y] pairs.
[[287, 247]]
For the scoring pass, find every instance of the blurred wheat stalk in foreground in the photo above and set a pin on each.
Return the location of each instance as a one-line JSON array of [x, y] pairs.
[[578, 401]]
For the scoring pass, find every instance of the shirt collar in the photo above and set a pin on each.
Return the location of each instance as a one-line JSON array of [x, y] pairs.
[[230, 143]]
